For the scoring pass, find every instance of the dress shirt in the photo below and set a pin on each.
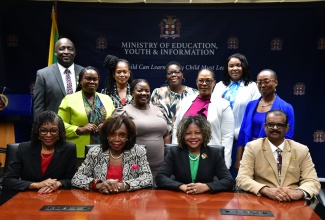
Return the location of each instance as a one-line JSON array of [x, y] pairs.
[[72, 75]]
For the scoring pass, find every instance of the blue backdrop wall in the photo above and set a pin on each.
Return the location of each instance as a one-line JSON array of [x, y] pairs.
[[288, 38]]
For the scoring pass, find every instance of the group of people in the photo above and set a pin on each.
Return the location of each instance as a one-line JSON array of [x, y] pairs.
[[131, 125]]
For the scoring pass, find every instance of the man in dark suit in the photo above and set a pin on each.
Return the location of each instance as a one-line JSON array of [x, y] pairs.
[[51, 81]]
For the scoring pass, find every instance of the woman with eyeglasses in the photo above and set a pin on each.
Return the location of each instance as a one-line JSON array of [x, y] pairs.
[[169, 95], [238, 88], [252, 126], [118, 80], [44, 164], [85, 111], [118, 164], [217, 111]]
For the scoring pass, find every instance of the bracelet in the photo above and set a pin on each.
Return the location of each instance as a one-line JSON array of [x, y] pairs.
[[95, 182]]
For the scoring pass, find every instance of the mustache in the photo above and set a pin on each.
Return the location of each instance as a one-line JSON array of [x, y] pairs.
[[275, 131]]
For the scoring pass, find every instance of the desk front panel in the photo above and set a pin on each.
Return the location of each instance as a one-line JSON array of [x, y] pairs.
[[148, 204]]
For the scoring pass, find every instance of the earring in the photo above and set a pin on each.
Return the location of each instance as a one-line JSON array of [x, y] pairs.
[[183, 80]]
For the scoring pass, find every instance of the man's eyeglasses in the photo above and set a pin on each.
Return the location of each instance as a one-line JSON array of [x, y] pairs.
[[89, 79], [278, 125], [266, 82], [118, 72], [176, 72], [206, 81], [44, 131], [122, 136]]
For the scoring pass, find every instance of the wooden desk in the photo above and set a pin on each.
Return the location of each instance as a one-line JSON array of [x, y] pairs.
[[148, 205]]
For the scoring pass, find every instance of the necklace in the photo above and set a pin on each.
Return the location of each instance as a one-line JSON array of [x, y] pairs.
[[194, 159], [46, 158], [115, 158], [267, 104]]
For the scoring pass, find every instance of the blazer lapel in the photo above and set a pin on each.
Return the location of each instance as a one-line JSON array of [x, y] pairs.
[[268, 154], [186, 164], [203, 164], [36, 160], [286, 157], [54, 162], [57, 74]]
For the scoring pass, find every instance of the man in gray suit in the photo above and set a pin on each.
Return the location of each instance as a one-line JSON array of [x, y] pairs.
[[51, 81]]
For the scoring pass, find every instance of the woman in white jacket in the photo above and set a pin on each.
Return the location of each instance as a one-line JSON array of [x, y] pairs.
[[217, 112]]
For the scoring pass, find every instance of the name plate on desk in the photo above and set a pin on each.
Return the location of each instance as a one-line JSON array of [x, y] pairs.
[[66, 208], [246, 212]]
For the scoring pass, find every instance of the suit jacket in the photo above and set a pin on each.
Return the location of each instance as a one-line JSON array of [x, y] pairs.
[[49, 88], [26, 167], [246, 129], [221, 119], [177, 163], [73, 114], [96, 164], [258, 168]]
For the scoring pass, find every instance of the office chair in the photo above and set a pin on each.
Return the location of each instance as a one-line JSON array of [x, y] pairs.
[[10, 152], [88, 146]]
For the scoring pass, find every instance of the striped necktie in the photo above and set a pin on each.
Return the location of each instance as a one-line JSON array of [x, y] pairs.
[[69, 82], [279, 162]]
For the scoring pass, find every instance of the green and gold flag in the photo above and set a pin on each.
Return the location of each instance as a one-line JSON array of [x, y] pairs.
[[53, 38]]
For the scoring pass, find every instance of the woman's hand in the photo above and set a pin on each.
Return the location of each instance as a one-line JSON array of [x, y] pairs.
[[194, 188], [88, 128], [110, 186], [47, 186]]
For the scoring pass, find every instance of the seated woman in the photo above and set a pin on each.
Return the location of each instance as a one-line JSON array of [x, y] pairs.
[[46, 163], [118, 164], [194, 164]]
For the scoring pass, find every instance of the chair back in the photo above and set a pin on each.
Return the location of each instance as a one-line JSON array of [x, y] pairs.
[[88, 146], [10, 154], [220, 148]]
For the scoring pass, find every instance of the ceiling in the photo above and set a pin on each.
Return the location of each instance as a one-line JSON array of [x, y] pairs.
[[187, 1]]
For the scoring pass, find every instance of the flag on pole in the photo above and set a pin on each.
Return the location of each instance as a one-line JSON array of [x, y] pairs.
[[53, 38]]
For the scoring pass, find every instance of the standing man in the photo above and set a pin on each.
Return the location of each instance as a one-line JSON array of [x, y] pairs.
[[275, 167], [54, 82]]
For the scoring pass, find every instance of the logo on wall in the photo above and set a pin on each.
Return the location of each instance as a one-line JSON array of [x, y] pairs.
[[276, 44], [321, 44], [12, 40], [3, 101], [101, 43], [319, 136], [170, 27], [299, 89], [233, 43]]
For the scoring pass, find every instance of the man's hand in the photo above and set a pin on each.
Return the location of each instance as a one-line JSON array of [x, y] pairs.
[[278, 194]]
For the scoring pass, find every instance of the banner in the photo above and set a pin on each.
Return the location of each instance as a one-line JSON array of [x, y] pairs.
[[53, 38]]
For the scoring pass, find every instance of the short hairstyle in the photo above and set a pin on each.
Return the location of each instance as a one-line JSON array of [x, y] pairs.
[[110, 63], [112, 124], [272, 72], [174, 63], [207, 69], [47, 117], [135, 82], [277, 112], [246, 77], [200, 121], [82, 73]]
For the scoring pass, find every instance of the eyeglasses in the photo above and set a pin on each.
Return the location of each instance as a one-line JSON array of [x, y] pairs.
[[122, 136], [118, 72], [278, 125], [89, 79], [176, 72], [266, 82], [44, 131], [206, 81]]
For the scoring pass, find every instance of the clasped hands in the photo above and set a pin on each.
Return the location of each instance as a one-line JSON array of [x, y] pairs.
[[282, 194], [47, 186], [194, 188], [110, 186]]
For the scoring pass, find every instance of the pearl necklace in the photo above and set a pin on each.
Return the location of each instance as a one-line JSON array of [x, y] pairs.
[[194, 159], [116, 158]]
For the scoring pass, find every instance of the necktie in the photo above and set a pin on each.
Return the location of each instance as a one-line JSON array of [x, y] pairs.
[[69, 83], [279, 162]]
